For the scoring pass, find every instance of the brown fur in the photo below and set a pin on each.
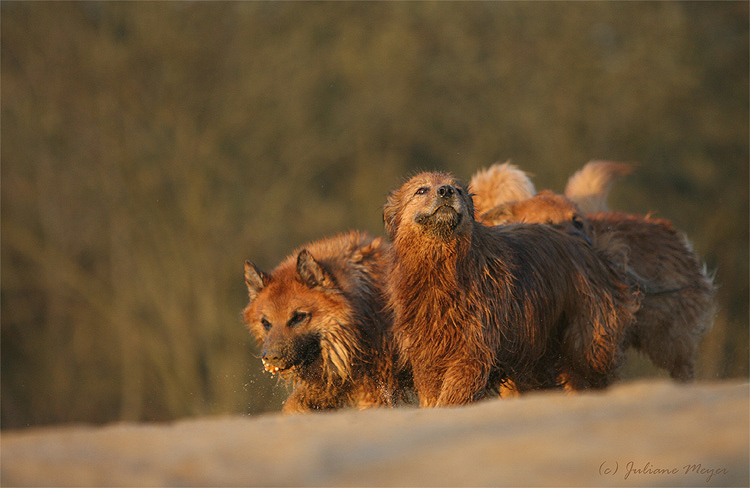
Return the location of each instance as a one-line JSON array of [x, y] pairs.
[[677, 308], [498, 184], [320, 319], [474, 306], [544, 208], [678, 304]]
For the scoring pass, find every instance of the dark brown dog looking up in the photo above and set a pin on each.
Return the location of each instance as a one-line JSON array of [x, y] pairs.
[[475, 306]]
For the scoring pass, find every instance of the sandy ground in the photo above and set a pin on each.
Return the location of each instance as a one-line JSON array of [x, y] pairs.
[[651, 433]]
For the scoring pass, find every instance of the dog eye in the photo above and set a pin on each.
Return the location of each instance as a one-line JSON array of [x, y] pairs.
[[266, 324], [298, 318], [422, 190], [577, 223]]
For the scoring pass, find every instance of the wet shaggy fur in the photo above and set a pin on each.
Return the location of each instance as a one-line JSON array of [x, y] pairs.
[[319, 318], [678, 294], [474, 306], [678, 306]]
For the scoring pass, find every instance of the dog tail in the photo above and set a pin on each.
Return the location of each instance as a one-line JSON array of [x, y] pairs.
[[589, 187], [499, 184]]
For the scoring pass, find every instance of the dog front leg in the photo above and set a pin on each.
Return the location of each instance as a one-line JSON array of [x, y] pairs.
[[464, 382]]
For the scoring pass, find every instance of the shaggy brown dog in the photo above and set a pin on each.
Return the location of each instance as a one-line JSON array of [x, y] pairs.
[[320, 319], [475, 305], [677, 307]]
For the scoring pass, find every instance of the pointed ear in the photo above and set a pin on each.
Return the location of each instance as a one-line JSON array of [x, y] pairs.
[[255, 280], [311, 273]]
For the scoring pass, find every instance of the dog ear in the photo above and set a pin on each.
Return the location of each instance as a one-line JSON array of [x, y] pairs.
[[311, 273], [255, 280], [469, 199], [390, 211]]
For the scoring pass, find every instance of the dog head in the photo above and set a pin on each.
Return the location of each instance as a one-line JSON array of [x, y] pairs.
[[543, 208], [299, 314], [434, 204]]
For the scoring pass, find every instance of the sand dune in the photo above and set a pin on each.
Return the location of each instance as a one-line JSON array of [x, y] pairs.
[[645, 433]]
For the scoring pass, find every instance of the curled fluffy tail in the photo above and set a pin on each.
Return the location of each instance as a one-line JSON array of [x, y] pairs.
[[589, 187], [498, 184]]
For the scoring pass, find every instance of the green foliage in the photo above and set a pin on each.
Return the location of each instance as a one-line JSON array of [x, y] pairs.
[[150, 148]]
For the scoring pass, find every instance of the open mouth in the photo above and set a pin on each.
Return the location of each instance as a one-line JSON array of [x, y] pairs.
[[274, 369]]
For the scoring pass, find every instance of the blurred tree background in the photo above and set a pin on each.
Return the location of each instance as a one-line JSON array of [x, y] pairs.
[[150, 148]]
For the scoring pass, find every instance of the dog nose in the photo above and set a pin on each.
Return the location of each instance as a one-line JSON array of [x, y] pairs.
[[271, 357], [446, 191]]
